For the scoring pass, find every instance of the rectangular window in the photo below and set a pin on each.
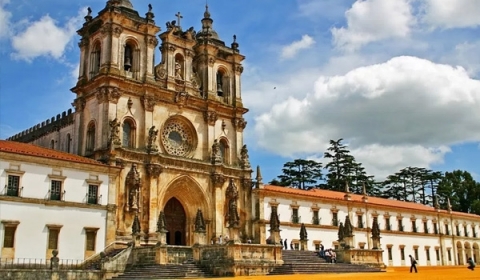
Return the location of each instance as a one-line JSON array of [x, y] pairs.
[[447, 232], [387, 224], [437, 254], [297, 246], [335, 219], [92, 194], [360, 221], [415, 250], [56, 190], [315, 220], [402, 253], [425, 227], [414, 226], [91, 239], [457, 229], [400, 225], [9, 237], [390, 257], [13, 185], [435, 228], [427, 251], [317, 246], [295, 218], [53, 238], [449, 253], [465, 231]]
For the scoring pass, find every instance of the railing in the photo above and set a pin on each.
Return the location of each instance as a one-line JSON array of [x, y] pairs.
[[388, 227], [360, 225], [316, 220], [93, 199], [28, 263], [335, 222], [295, 219], [12, 191], [56, 196]]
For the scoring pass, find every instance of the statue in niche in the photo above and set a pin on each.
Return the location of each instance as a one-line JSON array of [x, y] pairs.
[[133, 185], [195, 80], [160, 71], [231, 198], [114, 133], [216, 155], [178, 70], [244, 158], [152, 139]]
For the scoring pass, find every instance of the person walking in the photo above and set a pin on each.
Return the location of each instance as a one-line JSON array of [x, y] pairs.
[[285, 244], [413, 263], [471, 264]]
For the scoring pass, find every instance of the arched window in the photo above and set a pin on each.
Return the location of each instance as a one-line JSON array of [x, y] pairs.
[[224, 151], [95, 58], [69, 143], [223, 84], [131, 60], [90, 144], [128, 137], [52, 144], [220, 75]]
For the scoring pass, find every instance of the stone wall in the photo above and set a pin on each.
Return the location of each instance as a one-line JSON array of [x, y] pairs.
[[46, 274]]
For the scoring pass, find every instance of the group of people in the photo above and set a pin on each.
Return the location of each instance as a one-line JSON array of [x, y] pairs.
[[329, 255]]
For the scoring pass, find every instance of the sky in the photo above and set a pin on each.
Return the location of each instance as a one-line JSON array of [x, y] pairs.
[[398, 80]]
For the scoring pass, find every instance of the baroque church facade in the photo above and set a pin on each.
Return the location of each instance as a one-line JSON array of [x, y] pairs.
[[176, 128]]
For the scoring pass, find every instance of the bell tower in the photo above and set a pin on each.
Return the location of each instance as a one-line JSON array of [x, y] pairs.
[[175, 127]]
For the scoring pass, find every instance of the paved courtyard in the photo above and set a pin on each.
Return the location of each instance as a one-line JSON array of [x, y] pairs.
[[428, 273]]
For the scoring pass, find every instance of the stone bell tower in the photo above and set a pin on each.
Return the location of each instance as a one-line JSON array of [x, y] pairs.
[[176, 127]]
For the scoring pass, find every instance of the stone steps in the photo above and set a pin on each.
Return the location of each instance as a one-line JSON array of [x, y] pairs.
[[168, 271], [97, 265]]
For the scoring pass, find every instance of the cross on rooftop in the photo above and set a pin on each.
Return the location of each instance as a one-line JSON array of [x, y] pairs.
[[179, 16]]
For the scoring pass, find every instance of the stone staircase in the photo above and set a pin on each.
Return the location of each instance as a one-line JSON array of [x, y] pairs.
[[307, 262], [97, 264], [181, 267]]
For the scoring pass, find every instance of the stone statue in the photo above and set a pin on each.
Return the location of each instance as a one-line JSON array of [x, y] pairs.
[[160, 71], [195, 80], [375, 228], [199, 222], [303, 232], [244, 159], [178, 71], [152, 139], [341, 232], [150, 8], [231, 198], [274, 221], [136, 225], [133, 185], [114, 133], [348, 228], [216, 155]]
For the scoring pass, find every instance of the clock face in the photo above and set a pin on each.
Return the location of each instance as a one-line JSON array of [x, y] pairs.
[[177, 138]]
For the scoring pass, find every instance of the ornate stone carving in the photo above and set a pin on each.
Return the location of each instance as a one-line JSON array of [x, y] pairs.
[[210, 117], [240, 124], [114, 139], [195, 80], [120, 163], [133, 185], [161, 223], [247, 183], [274, 220], [136, 225], [244, 158], [303, 232], [79, 104], [115, 29], [217, 179], [83, 42], [148, 102], [154, 170], [211, 61], [181, 99], [160, 71], [171, 48], [177, 138], [231, 195], [239, 69], [216, 155], [199, 222], [152, 140], [151, 41], [108, 94]]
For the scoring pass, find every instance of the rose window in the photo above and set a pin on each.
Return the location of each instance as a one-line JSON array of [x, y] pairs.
[[177, 138]]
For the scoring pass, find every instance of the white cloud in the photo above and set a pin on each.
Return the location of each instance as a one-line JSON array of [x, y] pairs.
[[374, 20], [5, 17], [406, 111], [451, 13], [44, 38], [466, 54], [291, 50]]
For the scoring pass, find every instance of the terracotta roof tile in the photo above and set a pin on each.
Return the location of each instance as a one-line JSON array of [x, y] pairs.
[[37, 151], [327, 194]]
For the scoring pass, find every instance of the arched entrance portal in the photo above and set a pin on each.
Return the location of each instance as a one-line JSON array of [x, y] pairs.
[[175, 219]]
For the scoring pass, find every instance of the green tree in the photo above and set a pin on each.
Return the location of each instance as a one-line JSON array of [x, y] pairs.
[[340, 165], [300, 173], [463, 191]]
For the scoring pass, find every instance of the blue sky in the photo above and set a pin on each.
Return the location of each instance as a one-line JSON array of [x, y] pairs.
[[397, 79]]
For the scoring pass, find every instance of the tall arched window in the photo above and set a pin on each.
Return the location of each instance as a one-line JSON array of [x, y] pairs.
[[52, 144], [223, 84], [95, 58], [128, 137], [224, 151], [131, 60], [90, 143]]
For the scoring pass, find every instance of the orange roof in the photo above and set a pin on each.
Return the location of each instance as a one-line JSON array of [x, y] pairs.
[[37, 151], [327, 194]]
